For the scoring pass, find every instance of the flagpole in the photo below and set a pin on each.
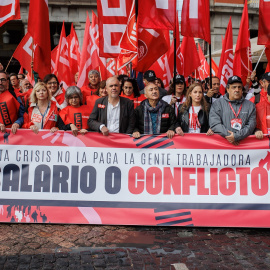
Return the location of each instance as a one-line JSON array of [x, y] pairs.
[[259, 59], [174, 53], [210, 64], [9, 63], [32, 57]]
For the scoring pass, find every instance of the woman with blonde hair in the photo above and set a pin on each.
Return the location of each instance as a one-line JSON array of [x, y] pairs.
[[42, 112], [193, 114]]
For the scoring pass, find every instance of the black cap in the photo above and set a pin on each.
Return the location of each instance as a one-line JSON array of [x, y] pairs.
[[234, 79], [266, 76], [179, 79], [149, 75]]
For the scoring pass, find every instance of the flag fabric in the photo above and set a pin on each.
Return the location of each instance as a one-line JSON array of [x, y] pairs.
[[195, 19], [264, 23], [152, 44], [203, 70], [53, 59], [9, 10], [128, 42], [113, 17], [111, 67], [189, 57], [225, 70], [39, 29], [156, 14], [62, 67], [23, 52], [74, 52], [89, 56], [242, 62], [214, 68]]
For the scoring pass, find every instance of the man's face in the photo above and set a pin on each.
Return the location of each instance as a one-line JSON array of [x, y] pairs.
[[151, 92], [25, 85], [215, 85], [113, 87], [3, 82], [20, 77], [14, 81], [235, 91], [94, 79]]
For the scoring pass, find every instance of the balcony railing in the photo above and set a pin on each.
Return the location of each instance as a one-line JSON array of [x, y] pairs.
[[253, 3]]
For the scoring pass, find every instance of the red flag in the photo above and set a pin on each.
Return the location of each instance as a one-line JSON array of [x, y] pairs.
[[214, 68], [39, 29], [242, 64], [113, 17], [53, 59], [74, 52], [89, 57], [264, 23], [189, 56], [225, 70], [195, 20], [9, 10], [163, 69], [23, 52], [111, 68], [157, 14], [151, 45], [128, 43], [62, 68], [204, 66]]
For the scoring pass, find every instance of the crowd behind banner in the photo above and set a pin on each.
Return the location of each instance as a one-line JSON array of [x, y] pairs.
[[119, 105]]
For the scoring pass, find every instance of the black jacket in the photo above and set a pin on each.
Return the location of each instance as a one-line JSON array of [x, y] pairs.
[[183, 120], [99, 115], [167, 120]]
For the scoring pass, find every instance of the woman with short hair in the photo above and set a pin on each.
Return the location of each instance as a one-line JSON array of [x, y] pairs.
[[74, 117]]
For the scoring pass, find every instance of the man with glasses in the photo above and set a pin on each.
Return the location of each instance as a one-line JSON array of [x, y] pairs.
[[11, 110]]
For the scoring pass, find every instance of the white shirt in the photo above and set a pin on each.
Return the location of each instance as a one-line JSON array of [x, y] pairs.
[[113, 116], [191, 128]]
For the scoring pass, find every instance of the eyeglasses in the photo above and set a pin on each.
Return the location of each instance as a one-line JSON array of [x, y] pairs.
[[51, 83], [3, 80]]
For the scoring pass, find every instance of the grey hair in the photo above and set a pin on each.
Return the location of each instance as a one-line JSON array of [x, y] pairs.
[[73, 90], [93, 71]]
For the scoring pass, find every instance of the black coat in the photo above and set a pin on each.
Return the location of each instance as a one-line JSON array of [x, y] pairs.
[[99, 115], [183, 120], [167, 123]]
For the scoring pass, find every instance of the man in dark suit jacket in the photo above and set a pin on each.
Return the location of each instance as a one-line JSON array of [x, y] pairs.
[[112, 113]]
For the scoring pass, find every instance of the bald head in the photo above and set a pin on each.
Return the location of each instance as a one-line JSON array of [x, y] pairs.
[[113, 87]]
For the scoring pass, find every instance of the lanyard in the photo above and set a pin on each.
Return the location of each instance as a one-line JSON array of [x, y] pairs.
[[43, 115], [195, 119], [236, 115], [179, 103]]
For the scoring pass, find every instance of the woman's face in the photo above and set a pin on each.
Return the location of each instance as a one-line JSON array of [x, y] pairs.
[[179, 88], [103, 92], [157, 82], [42, 93], [74, 100], [52, 85], [128, 88], [196, 94]]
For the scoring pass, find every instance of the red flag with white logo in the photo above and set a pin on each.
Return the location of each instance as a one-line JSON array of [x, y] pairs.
[[214, 68], [53, 58], [62, 68], [152, 44], [111, 68], [156, 14], [23, 52], [264, 23], [242, 62], [9, 10], [204, 66], [39, 29], [195, 19], [189, 57], [113, 17], [74, 52], [226, 60]]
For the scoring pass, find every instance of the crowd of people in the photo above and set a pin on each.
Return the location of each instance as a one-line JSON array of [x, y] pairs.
[[119, 105]]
